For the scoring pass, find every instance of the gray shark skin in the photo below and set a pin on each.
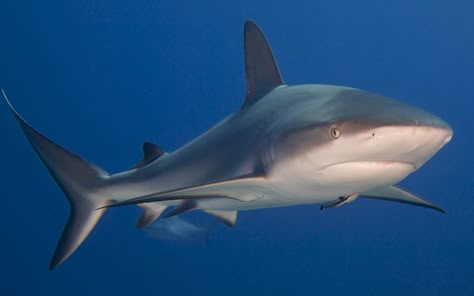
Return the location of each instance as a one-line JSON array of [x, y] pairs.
[[287, 145]]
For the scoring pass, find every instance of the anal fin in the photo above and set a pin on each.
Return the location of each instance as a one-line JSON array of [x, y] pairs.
[[151, 211]]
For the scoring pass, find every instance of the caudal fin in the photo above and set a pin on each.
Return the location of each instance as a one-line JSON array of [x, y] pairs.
[[78, 179]]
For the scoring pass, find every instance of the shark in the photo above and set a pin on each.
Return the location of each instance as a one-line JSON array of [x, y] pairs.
[[287, 145]]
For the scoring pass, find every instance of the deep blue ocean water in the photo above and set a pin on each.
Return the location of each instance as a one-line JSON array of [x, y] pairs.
[[101, 77]]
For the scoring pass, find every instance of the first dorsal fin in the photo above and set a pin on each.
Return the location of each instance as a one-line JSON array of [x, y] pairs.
[[150, 153], [261, 69]]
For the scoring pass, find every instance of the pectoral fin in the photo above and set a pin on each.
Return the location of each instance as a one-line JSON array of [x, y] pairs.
[[183, 207], [245, 188], [227, 217], [394, 193]]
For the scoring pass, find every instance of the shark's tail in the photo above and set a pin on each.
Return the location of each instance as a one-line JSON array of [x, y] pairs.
[[78, 179]]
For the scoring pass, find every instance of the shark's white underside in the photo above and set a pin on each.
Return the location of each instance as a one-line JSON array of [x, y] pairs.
[[286, 189]]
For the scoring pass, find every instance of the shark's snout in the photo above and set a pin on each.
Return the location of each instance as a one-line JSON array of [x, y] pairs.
[[440, 127], [414, 144], [444, 130]]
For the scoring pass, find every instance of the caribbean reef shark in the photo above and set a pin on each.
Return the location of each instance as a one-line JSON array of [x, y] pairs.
[[287, 145]]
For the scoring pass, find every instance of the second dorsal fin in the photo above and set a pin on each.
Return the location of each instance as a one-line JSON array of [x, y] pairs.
[[150, 153], [261, 69]]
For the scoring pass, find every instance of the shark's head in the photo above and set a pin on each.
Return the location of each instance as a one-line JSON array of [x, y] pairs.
[[355, 137], [331, 137]]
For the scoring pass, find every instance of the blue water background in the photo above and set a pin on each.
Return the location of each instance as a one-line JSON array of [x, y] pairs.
[[101, 77]]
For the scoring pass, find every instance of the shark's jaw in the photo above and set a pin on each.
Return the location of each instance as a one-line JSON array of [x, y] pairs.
[[360, 176], [325, 184]]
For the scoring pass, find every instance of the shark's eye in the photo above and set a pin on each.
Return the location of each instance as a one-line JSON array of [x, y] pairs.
[[334, 132]]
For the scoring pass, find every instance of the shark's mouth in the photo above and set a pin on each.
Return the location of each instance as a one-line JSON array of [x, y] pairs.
[[378, 163], [361, 176], [391, 163]]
